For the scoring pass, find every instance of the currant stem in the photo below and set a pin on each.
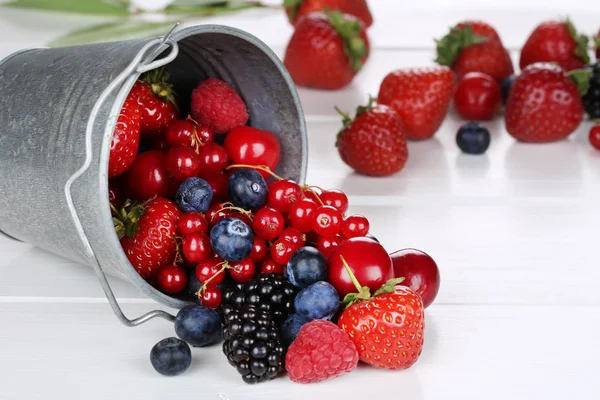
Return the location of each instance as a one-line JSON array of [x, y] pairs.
[[263, 168], [309, 189], [351, 274], [225, 265], [238, 209]]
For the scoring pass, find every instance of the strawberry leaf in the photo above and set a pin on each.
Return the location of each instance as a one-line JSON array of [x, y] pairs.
[[292, 6], [90, 7], [581, 50], [388, 287], [349, 30], [450, 46], [158, 81], [582, 78], [364, 109], [597, 42]]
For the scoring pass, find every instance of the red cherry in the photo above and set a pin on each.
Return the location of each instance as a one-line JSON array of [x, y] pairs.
[[335, 198], [180, 133], [171, 279], [269, 266], [159, 143], [182, 162], [282, 250], [420, 273], [210, 269], [115, 194], [283, 194], [259, 250], [294, 236], [196, 247], [369, 261], [355, 226], [252, 146], [326, 245], [268, 223], [218, 183], [595, 136], [242, 271], [191, 222], [147, 177], [478, 97], [301, 214], [327, 221], [204, 134], [213, 159], [211, 297]]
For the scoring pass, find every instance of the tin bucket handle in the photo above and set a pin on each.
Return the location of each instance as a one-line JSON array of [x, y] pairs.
[[141, 63]]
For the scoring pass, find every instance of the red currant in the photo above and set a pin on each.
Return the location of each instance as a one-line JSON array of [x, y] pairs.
[[335, 198], [182, 162], [213, 159], [210, 269], [327, 221], [218, 183], [282, 194], [196, 247], [269, 266], [313, 194], [294, 236], [215, 212], [171, 279], [282, 250], [355, 226], [259, 250], [595, 136], [211, 297], [268, 223], [326, 244], [301, 214], [242, 271], [191, 222], [204, 134], [180, 133]]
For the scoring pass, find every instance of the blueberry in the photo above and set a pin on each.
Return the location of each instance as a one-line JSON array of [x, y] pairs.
[[473, 138], [290, 328], [505, 85], [231, 239], [194, 194], [171, 356], [318, 301], [198, 325], [247, 189], [306, 266], [193, 286]]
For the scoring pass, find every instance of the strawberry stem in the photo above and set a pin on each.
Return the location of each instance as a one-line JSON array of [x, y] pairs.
[[256, 167]]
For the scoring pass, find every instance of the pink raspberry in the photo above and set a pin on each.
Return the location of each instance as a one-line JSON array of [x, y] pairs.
[[216, 104], [321, 351]]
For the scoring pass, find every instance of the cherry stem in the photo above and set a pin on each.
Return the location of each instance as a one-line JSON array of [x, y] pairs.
[[225, 265], [238, 209], [258, 167], [351, 274]]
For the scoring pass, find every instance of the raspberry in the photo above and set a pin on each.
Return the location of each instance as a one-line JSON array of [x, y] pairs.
[[321, 351], [216, 104]]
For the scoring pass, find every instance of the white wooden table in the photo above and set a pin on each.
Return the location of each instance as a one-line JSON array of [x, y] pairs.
[[515, 233]]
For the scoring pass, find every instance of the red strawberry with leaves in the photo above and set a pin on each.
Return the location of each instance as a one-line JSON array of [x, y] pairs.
[[147, 233], [126, 139], [421, 96], [556, 41], [386, 327], [544, 104], [297, 9], [474, 46], [156, 98], [373, 143], [326, 50]]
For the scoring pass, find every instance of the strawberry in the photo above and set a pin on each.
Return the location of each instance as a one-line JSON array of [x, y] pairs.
[[556, 41], [147, 233], [474, 46], [297, 9], [218, 105], [157, 102], [326, 50], [421, 96], [544, 104], [386, 328], [126, 139], [373, 143], [597, 45]]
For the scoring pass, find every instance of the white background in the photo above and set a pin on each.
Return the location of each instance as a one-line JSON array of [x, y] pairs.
[[515, 233]]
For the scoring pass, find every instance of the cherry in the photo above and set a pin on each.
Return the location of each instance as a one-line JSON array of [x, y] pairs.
[[355, 226], [252, 146], [213, 159], [595, 136], [327, 221], [326, 245], [218, 183], [171, 279], [478, 97], [367, 259], [182, 162], [282, 250], [294, 236], [268, 223], [242, 271], [210, 297], [335, 198], [191, 222], [283, 194], [420, 273], [301, 214], [210, 272], [204, 134], [259, 250], [181, 133], [147, 177], [269, 266], [196, 247], [115, 194], [159, 143]]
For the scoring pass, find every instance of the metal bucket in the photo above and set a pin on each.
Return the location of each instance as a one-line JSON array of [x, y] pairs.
[[58, 110]]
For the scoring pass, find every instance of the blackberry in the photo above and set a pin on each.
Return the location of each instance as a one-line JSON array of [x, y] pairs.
[[591, 101], [252, 343], [268, 292]]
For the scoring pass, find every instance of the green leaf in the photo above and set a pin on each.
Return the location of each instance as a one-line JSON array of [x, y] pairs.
[[195, 3], [113, 31], [388, 287], [93, 7], [215, 8], [450, 46], [349, 31], [292, 6], [582, 78], [581, 41]]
